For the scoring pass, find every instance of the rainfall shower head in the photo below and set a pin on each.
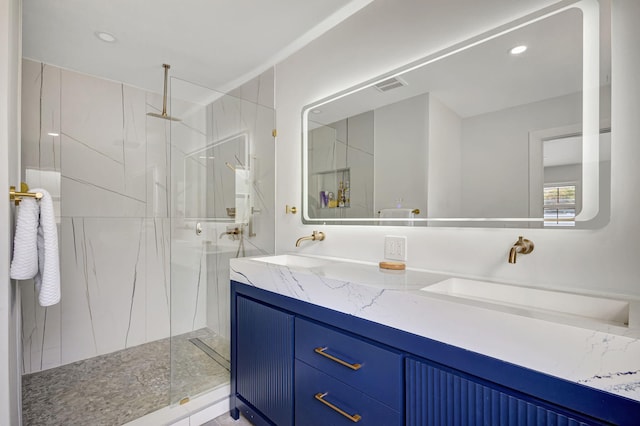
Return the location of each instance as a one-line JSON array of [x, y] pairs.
[[164, 98]]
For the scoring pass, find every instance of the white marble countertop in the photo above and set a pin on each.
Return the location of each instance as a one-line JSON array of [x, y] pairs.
[[601, 356]]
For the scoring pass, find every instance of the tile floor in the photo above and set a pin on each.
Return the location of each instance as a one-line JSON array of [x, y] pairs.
[[116, 388], [226, 420]]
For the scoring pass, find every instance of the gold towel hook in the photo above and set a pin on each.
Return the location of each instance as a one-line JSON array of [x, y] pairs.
[[16, 196]]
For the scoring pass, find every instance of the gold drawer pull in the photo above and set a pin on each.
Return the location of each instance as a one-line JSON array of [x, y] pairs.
[[355, 418], [321, 351]]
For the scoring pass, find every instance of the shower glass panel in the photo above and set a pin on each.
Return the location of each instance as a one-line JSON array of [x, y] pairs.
[[221, 206]]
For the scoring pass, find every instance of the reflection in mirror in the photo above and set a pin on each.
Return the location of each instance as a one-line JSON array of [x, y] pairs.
[[458, 137], [562, 178], [220, 169]]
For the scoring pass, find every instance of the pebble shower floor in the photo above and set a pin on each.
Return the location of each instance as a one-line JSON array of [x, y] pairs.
[[119, 387]]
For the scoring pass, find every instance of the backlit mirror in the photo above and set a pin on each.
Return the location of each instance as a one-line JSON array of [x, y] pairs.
[[480, 134]]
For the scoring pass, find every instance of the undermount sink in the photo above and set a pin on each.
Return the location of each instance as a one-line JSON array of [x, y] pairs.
[[532, 299], [290, 260]]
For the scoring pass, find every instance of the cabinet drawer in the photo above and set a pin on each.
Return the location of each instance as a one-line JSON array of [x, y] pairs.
[[369, 368], [320, 398]]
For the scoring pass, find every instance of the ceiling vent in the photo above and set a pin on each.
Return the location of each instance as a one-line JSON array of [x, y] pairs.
[[390, 84]]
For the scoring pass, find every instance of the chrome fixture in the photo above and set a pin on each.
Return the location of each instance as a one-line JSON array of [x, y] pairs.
[[315, 236], [164, 98], [522, 246]]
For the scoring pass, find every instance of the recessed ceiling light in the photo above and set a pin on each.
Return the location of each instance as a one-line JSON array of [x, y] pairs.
[[106, 37], [518, 50]]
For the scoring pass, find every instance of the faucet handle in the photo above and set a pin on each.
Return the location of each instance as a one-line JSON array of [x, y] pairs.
[[522, 246], [527, 245]]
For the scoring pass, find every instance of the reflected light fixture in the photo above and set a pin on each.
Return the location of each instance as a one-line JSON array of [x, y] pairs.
[[53, 134], [106, 37], [518, 49]]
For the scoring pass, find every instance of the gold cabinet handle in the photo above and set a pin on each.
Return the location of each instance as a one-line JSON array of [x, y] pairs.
[[354, 418], [322, 351]]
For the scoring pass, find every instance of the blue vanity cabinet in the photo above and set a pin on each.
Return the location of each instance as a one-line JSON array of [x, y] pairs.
[[298, 363], [262, 362]]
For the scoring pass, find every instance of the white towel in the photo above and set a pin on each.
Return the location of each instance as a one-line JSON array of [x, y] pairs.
[[47, 271], [394, 214], [24, 265], [397, 213]]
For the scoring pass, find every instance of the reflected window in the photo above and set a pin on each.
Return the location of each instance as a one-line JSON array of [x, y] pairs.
[[559, 205]]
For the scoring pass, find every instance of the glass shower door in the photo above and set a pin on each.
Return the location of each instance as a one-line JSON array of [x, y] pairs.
[[221, 206]]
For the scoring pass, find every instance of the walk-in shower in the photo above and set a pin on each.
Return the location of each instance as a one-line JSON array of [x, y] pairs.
[[149, 213]]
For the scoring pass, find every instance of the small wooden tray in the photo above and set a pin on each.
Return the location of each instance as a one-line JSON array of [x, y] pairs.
[[394, 266]]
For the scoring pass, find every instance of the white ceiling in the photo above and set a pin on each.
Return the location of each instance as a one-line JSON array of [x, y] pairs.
[[215, 43], [485, 77]]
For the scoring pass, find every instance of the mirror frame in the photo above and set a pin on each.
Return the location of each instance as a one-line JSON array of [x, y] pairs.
[[590, 118]]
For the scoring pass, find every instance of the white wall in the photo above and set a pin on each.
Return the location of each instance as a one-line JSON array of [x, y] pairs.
[[445, 161], [495, 154], [400, 180], [605, 259], [10, 52]]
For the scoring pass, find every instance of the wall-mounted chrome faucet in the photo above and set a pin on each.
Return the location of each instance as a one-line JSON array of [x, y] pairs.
[[315, 236], [522, 246]]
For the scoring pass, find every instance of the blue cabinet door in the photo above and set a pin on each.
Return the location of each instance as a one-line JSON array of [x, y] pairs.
[[264, 360], [437, 397]]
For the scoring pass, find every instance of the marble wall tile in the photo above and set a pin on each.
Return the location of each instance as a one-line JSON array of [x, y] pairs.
[[189, 266], [40, 116], [84, 199], [135, 145], [41, 344], [104, 285], [263, 177], [158, 291], [92, 113], [103, 142], [158, 156]]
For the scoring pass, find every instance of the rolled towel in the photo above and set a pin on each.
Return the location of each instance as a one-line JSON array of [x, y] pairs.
[[24, 264], [47, 280], [35, 251]]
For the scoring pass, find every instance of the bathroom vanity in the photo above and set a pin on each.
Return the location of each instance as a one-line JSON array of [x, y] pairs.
[[324, 341]]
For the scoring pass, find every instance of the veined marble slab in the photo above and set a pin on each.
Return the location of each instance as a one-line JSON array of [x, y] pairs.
[[607, 358]]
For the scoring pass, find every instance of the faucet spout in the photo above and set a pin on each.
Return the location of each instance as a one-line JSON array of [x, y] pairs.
[[522, 246], [513, 253], [315, 236]]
